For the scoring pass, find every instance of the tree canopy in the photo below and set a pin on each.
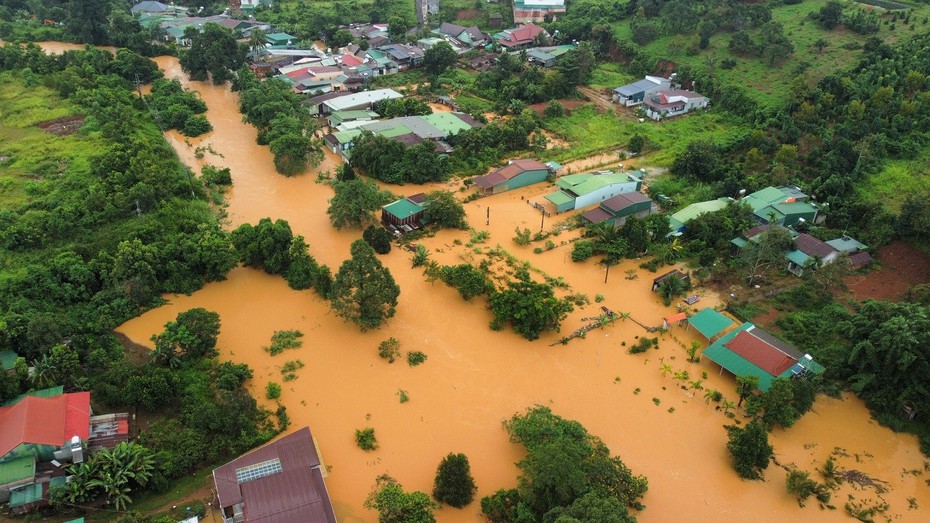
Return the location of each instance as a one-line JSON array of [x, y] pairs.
[[214, 53], [364, 292], [531, 308]]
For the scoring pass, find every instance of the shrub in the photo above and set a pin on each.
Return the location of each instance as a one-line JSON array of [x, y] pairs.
[[522, 237], [272, 391], [643, 345], [454, 484], [212, 175], [283, 340], [196, 125], [554, 110], [389, 349], [378, 238], [365, 439], [582, 250], [415, 358]]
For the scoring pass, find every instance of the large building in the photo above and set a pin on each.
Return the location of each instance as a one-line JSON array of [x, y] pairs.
[[668, 103], [637, 92], [516, 174], [581, 190], [281, 482], [616, 210]]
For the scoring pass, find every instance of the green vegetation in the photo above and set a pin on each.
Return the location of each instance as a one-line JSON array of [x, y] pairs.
[[454, 485], [272, 247], [396, 506], [365, 439], [443, 209], [393, 162], [389, 349], [378, 238], [364, 292], [176, 108], [749, 447], [566, 474], [283, 340], [531, 308], [354, 202], [470, 281], [415, 358], [110, 474], [272, 390], [214, 54]]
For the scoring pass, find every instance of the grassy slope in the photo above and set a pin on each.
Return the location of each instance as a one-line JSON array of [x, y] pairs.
[[770, 85]]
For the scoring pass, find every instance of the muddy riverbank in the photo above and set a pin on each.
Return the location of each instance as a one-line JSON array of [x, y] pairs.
[[475, 378]]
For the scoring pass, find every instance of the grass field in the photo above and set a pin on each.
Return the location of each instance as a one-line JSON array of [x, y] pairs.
[[896, 181], [590, 133], [610, 76], [771, 85]]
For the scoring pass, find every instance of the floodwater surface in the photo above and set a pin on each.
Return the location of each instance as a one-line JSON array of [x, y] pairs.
[[475, 378]]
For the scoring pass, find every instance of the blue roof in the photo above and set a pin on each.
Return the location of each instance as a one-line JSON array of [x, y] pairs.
[[635, 87]]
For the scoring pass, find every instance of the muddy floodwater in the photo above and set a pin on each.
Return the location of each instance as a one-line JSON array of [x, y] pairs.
[[475, 378]]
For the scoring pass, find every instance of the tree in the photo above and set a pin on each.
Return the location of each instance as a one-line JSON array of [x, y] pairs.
[[264, 246], [397, 28], [775, 406], [438, 58], [637, 143], [214, 52], [454, 485], [258, 42], [396, 506], [700, 161], [470, 281], [445, 210], [830, 15], [364, 292], [801, 485], [672, 287], [554, 110], [345, 172], [341, 38], [192, 335], [745, 386], [767, 250], [749, 448], [530, 307], [378, 238], [354, 202], [87, 20]]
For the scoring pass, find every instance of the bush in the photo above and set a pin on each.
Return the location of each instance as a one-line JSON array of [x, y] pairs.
[[365, 439], [454, 485], [582, 250], [643, 345], [637, 143], [212, 175], [283, 340], [554, 110], [196, 125], [415, 358], [272, 391], [378, 238], [389, 349]]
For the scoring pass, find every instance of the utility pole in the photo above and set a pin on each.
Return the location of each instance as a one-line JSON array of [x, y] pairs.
[[139, 87], [606, 274], [542, 212], [488, 219]]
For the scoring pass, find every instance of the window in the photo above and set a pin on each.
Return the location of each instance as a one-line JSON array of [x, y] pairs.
[[258, 470]]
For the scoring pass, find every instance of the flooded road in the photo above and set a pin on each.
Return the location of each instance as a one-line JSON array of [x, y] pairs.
[[475, 378]]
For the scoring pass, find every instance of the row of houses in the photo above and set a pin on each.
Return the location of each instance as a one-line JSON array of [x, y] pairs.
[[785, 205], [809, 251]]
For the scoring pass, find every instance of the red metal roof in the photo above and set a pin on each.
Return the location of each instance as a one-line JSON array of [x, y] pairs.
[[525, 34], [624, 200], [860, 259], [597, 215], [812, 246], [45, 421], [509, 171], [351, 60], [760, 353], [296, 494]]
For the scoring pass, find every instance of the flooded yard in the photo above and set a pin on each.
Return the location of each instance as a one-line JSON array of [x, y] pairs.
[[475, 378]]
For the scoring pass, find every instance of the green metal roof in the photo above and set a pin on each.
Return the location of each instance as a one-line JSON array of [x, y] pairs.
[[448, 123], [78, 520], [798, 257], [739, 242], [559, 198], [696, 209], [769, 213], [768, 195], [26, 495], [403, 208], [847, 244], [8, 359], [280, 37], [18, 469], [42, 393], [343, 116], [586, 183], [795, 208], [709, 322]]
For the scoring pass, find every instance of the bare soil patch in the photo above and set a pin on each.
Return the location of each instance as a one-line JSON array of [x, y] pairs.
[[568, 105], [902, 266], [62, 126]]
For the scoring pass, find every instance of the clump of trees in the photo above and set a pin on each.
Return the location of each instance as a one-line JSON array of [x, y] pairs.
[[478, 148], [177, 108], [406, 106], [354, 201], [282, 123], [469, 280], [531, 308], [192, 336], [111, 474], [438, 58], [444, 210], [393, 162], [567, 474], [394, 505], [364, 292], [378, 238], [454, 485], [749, 448], [214, 54]]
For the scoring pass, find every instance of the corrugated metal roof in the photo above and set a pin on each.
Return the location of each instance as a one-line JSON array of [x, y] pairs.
[[696, 209], [812, 246], [19, 469], [403, 208], [45, 421], [622, 201], [354, 100], [559, 198], [760, 353], [847, 244], [635, 87], [709, 322], [297, 493], [586, 183], [597, 215]]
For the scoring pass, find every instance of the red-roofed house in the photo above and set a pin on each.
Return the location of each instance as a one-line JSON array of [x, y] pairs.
[[351, 60], [674, 102], [516, 174], [523, 36], [281, 482]]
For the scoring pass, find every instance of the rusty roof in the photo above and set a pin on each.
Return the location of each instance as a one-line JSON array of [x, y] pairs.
[[758, 348], [812, 246], [624, 200], [295, 493]]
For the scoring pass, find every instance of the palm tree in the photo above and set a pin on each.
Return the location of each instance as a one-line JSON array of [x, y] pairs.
[[682, 376], [43, 374], [672, 287], [257, 42], [666, 369], [697, 385], [744, 387], [709, 395], [727, 405]]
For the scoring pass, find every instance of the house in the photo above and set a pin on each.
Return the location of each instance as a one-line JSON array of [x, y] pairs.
[[581, 190], [465, 37], [519, 37], [405, 214], [548, 56], [636, 92], [809, 250], [668, 103], [282, 482], [786, 206], [248, 6], [280, 39], [656, 282], [678, 220], [434, 127], [155, 8], [362, 100], [858, 256], [405, 56], [616, 210], [516, 174], [751, 351], [537, 10], [339, 117], [483, 62]]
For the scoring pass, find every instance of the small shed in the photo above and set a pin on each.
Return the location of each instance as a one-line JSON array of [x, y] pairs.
[[405, 214], [658, 281], [280, 39], [710, 323]]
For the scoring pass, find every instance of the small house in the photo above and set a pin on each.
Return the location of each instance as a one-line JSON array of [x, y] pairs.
[[668, 103], [786, 206], [280, 39], [405, 214], [360, 100], [636, 92], [548, 56], [280, 482], [656, 282], [809, 251], [581, 190], [519, 37], [339, 117], [463, 37], [678, 220], [751, 351], [516, 174], [616, 210]]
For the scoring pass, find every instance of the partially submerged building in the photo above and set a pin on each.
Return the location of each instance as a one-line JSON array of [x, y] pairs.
[[281, 482], [616, 210], [581, 190], [405, 214], [516, 174]]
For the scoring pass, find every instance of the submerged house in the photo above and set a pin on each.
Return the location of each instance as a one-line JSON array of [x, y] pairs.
[[616, 210], [636, 92], [675, 273], [405, 214], [516, 174], [673, 102], [581, 190], [282, 482], [751, 351]]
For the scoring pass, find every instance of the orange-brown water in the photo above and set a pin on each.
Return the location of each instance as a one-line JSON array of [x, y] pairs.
[[475, 378]]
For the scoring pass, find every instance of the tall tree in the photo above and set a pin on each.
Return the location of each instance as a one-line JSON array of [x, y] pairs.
[[364, 292], [767, 250], [87, 20], [531, 308], [214, 53], [354, 202], [454, 485], [749, 447], [438, 58], [445, 210]]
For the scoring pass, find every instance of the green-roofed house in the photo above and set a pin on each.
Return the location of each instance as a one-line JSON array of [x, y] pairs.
[[751, 351], [15, 473], [339, 117], [280, 39], [678, 220], [405, 214], [710, 323], [582, 190], [548, 56], [786, 206]]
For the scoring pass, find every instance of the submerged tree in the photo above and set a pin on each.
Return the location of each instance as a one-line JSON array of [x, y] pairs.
[[354, 202], [396, 506], [364, 292], [531, 308], [454, 485], [214, 52], [749, 447]]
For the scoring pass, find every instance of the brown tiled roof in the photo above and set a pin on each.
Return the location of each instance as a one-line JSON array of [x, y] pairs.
[[295, 494], [812, 246], [417, 198], [750, 346]]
